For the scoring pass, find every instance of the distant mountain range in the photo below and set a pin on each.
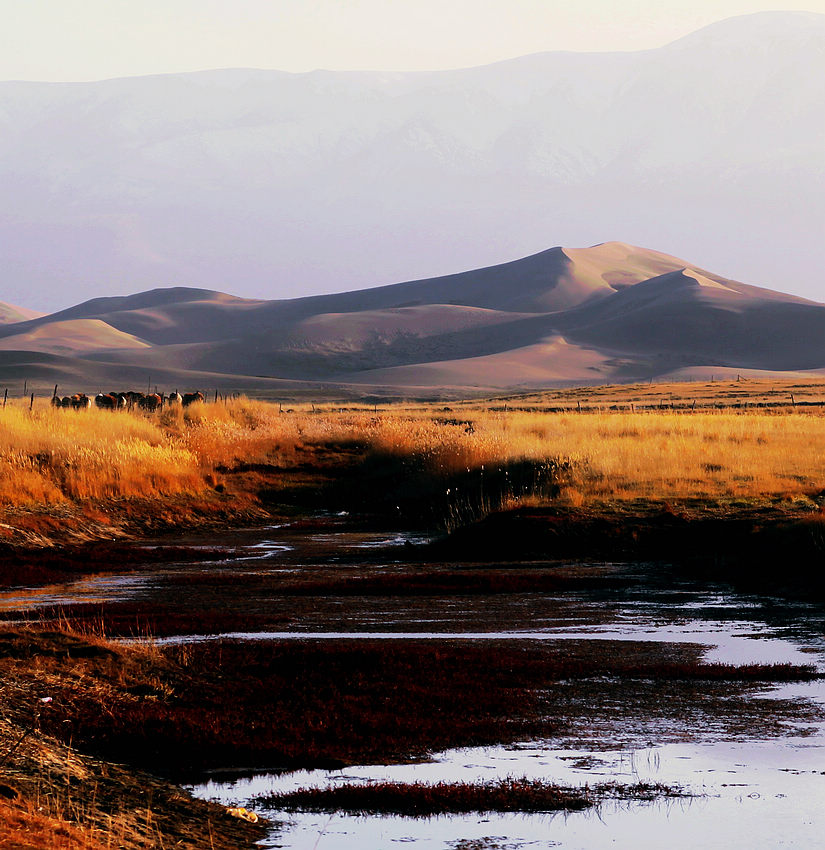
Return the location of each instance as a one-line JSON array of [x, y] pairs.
[[610, 313], [276, 185]]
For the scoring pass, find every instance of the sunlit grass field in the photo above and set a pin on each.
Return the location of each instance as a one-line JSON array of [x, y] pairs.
[[49, 456]]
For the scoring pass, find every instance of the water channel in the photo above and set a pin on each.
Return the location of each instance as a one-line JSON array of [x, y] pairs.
[[741, 790]]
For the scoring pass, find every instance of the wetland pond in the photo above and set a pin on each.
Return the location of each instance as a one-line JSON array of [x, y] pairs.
[[746, 784]]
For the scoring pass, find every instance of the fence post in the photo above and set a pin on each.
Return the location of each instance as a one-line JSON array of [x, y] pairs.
[[5, 396], [31, 403]]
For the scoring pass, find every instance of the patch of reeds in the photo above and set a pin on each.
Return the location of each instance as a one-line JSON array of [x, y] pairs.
[[419, 799]]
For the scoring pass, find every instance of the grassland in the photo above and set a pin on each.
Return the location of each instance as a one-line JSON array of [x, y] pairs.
[[95, 473], [735, 471]]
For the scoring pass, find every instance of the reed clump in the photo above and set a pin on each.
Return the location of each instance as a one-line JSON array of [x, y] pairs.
[[419, 799]]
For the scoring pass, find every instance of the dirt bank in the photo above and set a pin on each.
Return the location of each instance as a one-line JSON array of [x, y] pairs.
[[769, 545], [55, 792]]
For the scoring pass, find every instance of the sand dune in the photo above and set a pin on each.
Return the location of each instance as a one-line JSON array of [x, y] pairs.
[[549, 363], [72, 337], [10, 313], [606, 313], [42, 371], [691, 319], [423, 320]]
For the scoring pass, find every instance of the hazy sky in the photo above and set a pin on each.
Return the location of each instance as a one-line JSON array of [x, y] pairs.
[[96, 39]]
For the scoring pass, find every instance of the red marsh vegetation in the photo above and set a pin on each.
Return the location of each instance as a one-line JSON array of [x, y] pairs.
[[419, 799], [310, 703]]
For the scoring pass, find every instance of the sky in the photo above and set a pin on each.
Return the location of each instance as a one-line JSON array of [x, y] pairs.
[[74, 40]]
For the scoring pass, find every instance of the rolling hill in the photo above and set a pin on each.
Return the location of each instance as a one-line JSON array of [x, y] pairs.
[[608, 313]]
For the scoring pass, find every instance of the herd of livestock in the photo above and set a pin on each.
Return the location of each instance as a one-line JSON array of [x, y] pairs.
[[126, 401]]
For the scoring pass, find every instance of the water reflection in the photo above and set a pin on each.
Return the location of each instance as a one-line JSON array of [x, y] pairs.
[[755, 794]]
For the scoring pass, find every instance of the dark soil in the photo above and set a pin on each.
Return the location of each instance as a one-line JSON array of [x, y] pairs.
[[67, 562], [744, 543]]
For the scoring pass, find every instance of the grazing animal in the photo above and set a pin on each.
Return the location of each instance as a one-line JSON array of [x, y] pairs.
[[132, 398], [105, 401], [192, 398], [56, 401], [174, 398], [80, 401], [151, 402]]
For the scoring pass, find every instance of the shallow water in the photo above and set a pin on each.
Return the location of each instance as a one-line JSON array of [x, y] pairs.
[[747, 645], [748, 793], [266, 546], [754, 794], [759, 792], [764, 792]]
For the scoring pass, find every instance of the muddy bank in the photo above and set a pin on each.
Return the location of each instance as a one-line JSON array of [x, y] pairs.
[[75, 521], [771, 547], [737, 540]]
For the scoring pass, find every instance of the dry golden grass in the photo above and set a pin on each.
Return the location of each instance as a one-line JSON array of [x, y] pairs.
[[622, 455], [710, 394], [663, 455], [48, 455], [51, 455], [26, 827]]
